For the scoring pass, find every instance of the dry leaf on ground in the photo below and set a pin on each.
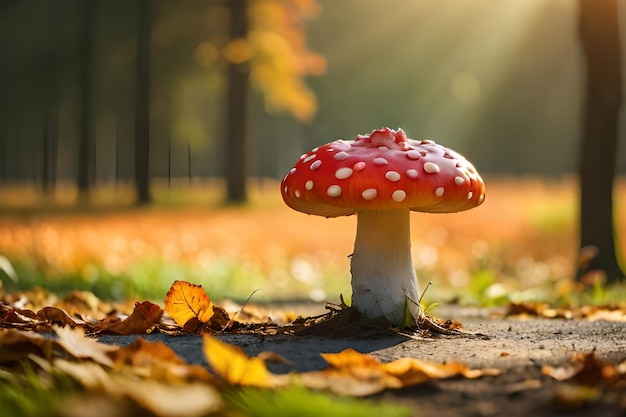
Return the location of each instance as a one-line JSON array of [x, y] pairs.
[[235, 367], [77, 344], [16, 344], [587, 369], [145, 317], [591, 313], [158, 361], [185, 301], [357, 374]]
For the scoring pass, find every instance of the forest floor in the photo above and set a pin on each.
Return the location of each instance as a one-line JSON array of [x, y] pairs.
[[519, 347]]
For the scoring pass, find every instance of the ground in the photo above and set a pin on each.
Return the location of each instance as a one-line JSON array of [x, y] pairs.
[[519, 348]]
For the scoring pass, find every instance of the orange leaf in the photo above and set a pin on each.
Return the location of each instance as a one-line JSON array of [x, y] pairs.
[[185, 301], [587, 369], [145, 316], [232, 364], [353, 373]]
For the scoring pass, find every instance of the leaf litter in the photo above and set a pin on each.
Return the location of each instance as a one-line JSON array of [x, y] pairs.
[[59, 339]]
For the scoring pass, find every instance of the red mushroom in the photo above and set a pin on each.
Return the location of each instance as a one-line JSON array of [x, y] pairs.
[[382, 177]]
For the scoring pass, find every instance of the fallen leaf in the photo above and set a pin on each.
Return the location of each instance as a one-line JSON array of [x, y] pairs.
[[17, 344], [54, 315], [88, 374], [162, 399], [185, 301], [144, 317], [171, 400], [17, 317], [357, 374], [80, 346], [158, 361], [235, 367], [587, 369]]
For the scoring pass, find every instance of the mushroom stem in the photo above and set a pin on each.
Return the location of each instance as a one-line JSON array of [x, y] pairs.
[[383, 276]]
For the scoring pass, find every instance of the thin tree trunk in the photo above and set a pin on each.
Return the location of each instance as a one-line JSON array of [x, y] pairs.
[[236, 136], [50, 146], [142, 104], [601, 46], [86, 145]]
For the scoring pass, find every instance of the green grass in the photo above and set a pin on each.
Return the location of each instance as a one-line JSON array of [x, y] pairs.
[[305, 403], [27, 392]]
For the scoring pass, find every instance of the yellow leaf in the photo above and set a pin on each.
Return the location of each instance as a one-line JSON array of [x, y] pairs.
[[232, 364], [185, 301]]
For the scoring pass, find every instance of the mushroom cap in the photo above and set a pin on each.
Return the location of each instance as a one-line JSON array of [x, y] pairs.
[[379, 171]]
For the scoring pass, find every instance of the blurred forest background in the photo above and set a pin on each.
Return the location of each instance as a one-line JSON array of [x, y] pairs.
[[501, 82], [144, 96]]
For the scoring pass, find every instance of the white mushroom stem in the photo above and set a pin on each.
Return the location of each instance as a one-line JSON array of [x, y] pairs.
[[383, 277]]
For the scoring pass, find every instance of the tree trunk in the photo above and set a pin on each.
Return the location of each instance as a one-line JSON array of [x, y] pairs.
[[86, 145], [142, 103], [50, 145], [236, 136], [600, 41]]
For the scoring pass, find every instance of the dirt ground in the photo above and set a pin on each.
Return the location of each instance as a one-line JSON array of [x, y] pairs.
[[517, 347]]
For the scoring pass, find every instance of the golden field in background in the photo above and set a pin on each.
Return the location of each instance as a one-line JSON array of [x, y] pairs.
[[521, 242]]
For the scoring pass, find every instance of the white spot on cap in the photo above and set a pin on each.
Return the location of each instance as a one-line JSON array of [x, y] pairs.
[[292, 170], [297, 193], [285, 189], [343, 173], [459, 181], [315, 149], [398, 195], [380, 161], [315, 165], [413, 155], [439, 191], [470, 195], [383, 148], [308, 185], [309, 158], [340, 156], [333, 191], [359, 166], [431, 167], [481, 199], [411, 173], [369, 194], [392, 176]]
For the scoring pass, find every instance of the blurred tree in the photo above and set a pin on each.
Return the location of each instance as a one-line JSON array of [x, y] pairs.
[[142, 102], [86, 144], [267, 48], [236, 118], [50, 144], [599, 30]]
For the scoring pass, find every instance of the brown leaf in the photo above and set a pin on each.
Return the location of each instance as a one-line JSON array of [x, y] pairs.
[[17, 344], [144, 317], [54, 315], [587, 369], [171, 400], [15, 317], [158, 361], [80, 346]]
